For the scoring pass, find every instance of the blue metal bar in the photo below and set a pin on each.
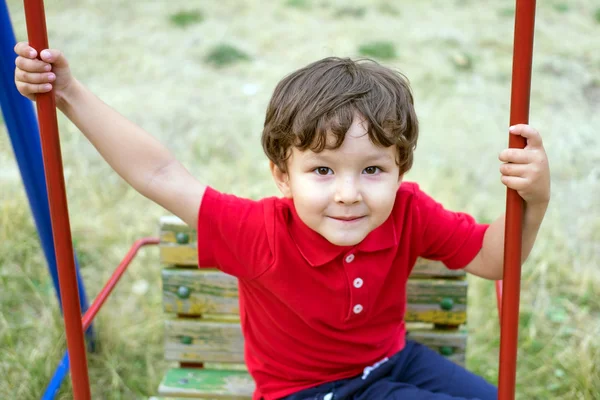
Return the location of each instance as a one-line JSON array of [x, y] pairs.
[[59, 375]]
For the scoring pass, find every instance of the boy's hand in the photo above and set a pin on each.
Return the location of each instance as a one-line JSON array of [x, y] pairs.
[[34, 76], [526, 170]]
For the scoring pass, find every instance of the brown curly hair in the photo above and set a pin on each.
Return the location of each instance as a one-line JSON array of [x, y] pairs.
[[323, 98]]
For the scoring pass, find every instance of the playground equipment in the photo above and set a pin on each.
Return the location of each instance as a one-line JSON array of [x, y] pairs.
[[521, 80], [202, 327]]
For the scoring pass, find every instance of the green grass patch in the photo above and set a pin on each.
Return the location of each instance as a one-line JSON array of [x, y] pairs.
[[225, 54], [561, 7], [597, 15], [299, 4], [186, 18], [349, 11], [506, 12], [380, 49], [389, 9]]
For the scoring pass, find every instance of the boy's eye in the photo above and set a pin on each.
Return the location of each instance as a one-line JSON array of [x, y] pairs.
[[371, 170], [323, 171]]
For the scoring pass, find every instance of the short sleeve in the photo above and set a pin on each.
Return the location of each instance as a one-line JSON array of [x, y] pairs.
[[233, 235], [454, 238]]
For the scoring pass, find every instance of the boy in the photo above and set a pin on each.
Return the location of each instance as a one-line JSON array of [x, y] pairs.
[[322, 271]]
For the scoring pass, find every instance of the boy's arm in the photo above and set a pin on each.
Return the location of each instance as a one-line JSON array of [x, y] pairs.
[[147, 165], [489, 262], [140, 159], [526, 171]]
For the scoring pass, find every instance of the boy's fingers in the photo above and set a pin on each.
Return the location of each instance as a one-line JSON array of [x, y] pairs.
[[29, 65], [514, 182], [32, 88], [24, 50], [533, 136], [516, 156], [513, 169], [33, 77], [55, 57]]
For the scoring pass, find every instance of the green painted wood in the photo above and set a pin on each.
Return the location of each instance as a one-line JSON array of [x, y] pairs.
[[206, 383], [199, 291], [194, 340]]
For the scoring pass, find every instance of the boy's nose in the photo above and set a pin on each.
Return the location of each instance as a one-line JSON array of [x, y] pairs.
[[347, 192]]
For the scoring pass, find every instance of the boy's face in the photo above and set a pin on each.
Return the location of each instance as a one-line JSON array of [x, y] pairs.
[[342, 194]]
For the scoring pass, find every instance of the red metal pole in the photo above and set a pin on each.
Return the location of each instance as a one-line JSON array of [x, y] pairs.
[[59, 215], [499, 299], [519, 114]]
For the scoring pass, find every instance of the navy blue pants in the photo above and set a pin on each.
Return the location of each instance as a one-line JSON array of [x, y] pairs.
[[416, 372]]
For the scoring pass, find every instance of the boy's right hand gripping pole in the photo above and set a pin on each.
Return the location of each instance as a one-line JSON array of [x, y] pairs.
[[57, 199], [519, 114]]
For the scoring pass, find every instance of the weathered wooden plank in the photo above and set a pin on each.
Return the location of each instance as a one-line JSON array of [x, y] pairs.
[[438, 301], [207, 291], [221, 343], [170, 225], [199, 291], [192, 340], [222, 383], [425, 268], [178, 247], [444, 292], [206, 383], [178, 255], [450, 343], [431, 314]]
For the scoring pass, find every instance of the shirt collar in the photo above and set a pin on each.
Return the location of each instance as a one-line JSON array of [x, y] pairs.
[[318, 251]]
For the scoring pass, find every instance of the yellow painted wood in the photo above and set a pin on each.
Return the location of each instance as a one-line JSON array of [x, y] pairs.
[[210, 292], [178, 255], [438, 301], [426, 313], [192, 340]]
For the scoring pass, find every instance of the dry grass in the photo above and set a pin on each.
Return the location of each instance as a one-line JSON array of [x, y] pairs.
[[154, 71]]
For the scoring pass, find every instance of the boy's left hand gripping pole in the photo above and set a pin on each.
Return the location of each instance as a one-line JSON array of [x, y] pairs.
[[61, 230]]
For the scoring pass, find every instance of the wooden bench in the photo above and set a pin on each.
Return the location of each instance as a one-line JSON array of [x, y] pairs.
[[203, 336]]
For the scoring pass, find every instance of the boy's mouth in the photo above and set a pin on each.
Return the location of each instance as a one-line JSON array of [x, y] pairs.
[[348, 219]]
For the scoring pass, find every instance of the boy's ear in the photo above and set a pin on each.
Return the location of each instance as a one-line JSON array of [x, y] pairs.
[[282, 180]]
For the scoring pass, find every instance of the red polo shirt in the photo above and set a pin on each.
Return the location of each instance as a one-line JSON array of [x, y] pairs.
[[313, 312]]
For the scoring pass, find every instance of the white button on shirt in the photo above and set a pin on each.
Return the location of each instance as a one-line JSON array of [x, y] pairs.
[[358, 283], [349, 258], [357, 309]]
